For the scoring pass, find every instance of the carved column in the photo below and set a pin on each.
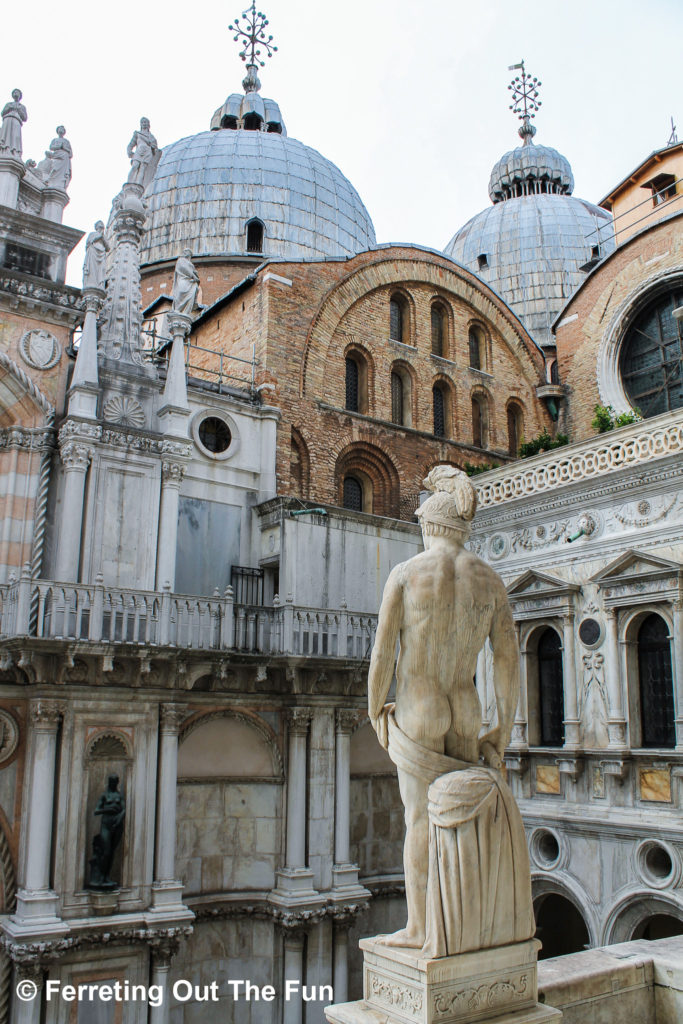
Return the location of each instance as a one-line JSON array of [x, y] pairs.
[[519, 738], [295, 881], [35, 900], [677, 653], [161, 953], [27, 975], [122, 313], [571, 721], [616, 724], [76, 456], [344, 874], [294, 971], [171, 478], [167, 891]]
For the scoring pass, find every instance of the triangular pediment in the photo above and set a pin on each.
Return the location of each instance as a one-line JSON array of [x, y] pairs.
[[636, 564], [539, 584]]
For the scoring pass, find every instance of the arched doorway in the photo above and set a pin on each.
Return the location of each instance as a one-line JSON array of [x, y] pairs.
[[560, 926]]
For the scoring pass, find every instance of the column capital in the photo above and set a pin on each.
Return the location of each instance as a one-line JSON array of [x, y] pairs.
[[568, 618], [171, 716], [345, 720], [299, 719], [172, 473], [46, 713], [76, 455], [164, 946]]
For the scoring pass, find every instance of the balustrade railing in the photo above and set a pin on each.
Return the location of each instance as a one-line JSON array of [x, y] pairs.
[[99, 614]]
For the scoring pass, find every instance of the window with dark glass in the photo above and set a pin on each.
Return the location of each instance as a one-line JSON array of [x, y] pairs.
[[214, 434], [255, 236], [439, 404], [655, 682], [26, 261], [550, 689], [651, 352], [352, 393], [396, 398], [438, 330], [476, 354], [396, 320], [353, 494], [477, 426]]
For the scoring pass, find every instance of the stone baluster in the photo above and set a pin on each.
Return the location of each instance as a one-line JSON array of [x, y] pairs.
[[76, 457], [616, 724], [35, 900], [677, 658], [167, 890], [295, 881], [171, 478], [571, 721]]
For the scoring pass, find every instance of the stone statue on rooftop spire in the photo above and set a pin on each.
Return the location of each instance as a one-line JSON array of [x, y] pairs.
[[465, 856], [13, 117], [94, 266], [55, 169], [144, 154], [185, 284]]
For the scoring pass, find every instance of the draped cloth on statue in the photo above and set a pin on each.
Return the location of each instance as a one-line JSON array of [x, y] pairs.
[[478, 884]]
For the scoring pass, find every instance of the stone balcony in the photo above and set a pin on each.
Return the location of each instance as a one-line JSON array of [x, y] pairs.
[[95, 613]]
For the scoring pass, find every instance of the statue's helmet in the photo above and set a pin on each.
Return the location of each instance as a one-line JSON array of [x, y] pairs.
[[453, 502]]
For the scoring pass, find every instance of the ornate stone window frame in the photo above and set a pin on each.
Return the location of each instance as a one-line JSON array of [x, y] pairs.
[[231, 424], [610, 386]]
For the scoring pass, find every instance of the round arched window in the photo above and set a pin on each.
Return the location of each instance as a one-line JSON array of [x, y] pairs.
[[650, 358]]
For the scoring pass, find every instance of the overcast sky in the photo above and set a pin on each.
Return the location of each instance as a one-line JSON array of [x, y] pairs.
[[411, 103]]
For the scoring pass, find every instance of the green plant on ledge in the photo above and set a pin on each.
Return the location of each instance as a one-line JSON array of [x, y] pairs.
[[543, 443], [606, 418], [472, 470]]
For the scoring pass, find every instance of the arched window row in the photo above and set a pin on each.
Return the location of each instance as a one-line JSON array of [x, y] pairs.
[[402, 328], [649, 685]]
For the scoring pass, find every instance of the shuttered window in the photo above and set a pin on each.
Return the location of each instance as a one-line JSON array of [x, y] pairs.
[[550, 689], [439, 404], [655, 684], [396, 398], [353, 494], [351, 384]]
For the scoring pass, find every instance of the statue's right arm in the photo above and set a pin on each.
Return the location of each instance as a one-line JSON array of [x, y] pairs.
[[383, 652]]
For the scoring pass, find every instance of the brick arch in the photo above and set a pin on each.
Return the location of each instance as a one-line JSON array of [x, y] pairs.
[[21, 401], [446, 278], [370, 461]]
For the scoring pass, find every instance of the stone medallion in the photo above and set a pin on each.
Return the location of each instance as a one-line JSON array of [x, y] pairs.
[[9, 735], [40, 349], [125, 410]]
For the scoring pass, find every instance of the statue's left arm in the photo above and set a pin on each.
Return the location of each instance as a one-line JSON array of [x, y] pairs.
[[505, 675], [384, 651]]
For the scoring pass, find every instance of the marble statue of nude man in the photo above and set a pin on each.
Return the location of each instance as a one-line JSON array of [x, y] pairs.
[[441, 605]]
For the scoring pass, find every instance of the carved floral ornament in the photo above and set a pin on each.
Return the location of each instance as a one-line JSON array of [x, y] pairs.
[[172, 473], [46, 713], [76, 455], [171, 716], [299, 719], [40, 349]]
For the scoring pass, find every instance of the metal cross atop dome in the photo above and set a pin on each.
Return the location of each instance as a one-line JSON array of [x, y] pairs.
[[252, 33], [524, 88]]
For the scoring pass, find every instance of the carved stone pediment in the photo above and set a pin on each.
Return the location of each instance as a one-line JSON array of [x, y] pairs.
[[638, 576], [535, 594]]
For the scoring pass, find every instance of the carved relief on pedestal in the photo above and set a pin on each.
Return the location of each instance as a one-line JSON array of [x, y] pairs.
[[593, 703], [125, 410]]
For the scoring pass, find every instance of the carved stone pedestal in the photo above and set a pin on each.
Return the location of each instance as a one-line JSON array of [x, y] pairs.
[[490, 986]]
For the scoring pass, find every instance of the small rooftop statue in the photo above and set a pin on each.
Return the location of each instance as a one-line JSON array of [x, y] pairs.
[[55, 169], [185, 284], [144, 154], [13, 117], [464, 833], [94, 266]]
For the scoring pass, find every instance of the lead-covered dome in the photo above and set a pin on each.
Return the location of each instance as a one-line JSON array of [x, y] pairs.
[[245, 187], [535, 244]]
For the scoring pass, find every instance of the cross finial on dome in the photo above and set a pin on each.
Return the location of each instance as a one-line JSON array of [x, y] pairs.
[[251, 32], [525, 101]]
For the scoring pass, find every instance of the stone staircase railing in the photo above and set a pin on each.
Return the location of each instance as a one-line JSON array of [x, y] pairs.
[[99, 614]]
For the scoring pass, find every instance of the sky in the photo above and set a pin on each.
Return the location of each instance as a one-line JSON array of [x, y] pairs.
[[411, 102]]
